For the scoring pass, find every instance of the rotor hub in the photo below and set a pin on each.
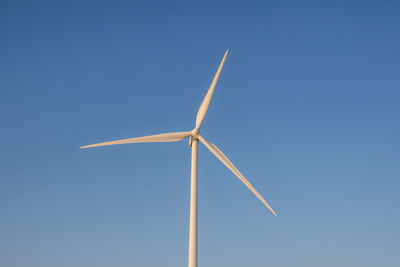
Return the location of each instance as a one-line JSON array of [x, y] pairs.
[[195, 132]]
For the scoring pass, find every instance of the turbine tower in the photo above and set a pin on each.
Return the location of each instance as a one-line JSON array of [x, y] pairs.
[[195, 137]]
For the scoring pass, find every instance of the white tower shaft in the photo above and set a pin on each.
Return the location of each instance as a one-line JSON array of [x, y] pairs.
[[193, 207]]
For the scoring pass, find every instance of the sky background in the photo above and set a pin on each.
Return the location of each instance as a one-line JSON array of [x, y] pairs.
[[307, 107]]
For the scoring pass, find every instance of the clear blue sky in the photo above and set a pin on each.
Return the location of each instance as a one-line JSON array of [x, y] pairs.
[[307, 107]]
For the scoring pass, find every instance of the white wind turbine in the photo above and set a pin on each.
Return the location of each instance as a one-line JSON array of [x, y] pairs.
[[194, 138]]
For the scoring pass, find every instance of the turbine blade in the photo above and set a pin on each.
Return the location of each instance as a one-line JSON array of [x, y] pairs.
[[218, 153], [167, 137], [206, 101]]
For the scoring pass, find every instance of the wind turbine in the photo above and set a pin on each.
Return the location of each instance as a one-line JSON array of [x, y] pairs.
[[195, 137]]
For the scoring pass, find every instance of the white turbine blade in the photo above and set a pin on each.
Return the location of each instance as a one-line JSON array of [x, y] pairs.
[[206, 101], [218, 153], [167, 137]]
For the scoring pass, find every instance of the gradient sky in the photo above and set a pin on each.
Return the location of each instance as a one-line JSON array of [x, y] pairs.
[[307, 107]]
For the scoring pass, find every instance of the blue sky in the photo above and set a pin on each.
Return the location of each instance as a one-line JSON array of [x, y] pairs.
[[307, 107]]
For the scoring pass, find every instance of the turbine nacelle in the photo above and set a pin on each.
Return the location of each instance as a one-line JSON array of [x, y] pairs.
[[194, 135]]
